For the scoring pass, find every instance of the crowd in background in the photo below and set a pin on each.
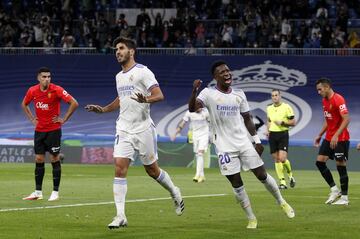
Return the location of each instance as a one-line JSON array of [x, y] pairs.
[[200, 23]]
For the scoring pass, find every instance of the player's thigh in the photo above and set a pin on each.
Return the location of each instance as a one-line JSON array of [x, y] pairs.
[[249, 158], [203, 144], [229, 163], [53, 142], [273, 142], [283, 141], [39, 144], [341, 151], [325, 152], [146, 145], [123, 146]]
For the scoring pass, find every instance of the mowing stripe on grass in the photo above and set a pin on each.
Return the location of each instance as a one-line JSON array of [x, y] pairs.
[[105, 203]]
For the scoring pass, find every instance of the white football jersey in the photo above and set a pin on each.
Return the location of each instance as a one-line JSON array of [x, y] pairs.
[[199, 122], [227, 125], [134, 117]]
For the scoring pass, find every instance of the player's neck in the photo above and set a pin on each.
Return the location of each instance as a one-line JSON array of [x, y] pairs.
[[128, 65], [224, 89], [44, 88], [331, 94], [277, 104]]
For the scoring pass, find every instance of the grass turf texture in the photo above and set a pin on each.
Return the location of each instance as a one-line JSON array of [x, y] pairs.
[[204, 217]]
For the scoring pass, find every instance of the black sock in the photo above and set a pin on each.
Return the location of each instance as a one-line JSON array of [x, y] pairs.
[[56, 174], [325, 172], [39, 175], [344, 179]]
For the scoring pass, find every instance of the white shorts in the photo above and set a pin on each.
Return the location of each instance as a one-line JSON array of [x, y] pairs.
[[143, 143], [232, 162], [201, 143]]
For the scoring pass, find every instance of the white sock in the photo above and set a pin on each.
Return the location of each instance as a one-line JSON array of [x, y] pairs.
[[334, 189], [39, 192], [120, 190], [272, 187], [242, 197], [165, 181], [199, 165]]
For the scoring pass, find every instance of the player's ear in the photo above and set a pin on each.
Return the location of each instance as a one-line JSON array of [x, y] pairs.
[[132, 52]]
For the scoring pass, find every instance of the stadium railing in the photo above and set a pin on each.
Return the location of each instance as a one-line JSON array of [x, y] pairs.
[[190, 51]]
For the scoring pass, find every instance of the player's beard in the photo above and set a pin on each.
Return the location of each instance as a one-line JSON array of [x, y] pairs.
[[125, 59], [45, 85]]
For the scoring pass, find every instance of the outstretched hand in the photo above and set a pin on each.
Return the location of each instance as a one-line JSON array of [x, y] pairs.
[[94, 108], [139, 98]]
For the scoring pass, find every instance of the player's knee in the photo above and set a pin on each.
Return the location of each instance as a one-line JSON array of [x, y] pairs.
[[199, 153], [39, 159], [321, 165]]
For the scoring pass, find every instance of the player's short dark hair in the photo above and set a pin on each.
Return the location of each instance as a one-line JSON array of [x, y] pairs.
[[324, 80], [129, 43], [43, 69], [215, 65], [273, 90]]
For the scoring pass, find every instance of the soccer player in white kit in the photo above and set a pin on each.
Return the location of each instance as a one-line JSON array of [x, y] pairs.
[[230, 121], [135, 131], [200, 127]]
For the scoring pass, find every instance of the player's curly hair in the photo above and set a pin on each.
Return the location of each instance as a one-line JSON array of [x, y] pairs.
[[215, 65]]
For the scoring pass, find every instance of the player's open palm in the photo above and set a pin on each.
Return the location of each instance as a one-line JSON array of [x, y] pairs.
[[94, 108], [139, 98]]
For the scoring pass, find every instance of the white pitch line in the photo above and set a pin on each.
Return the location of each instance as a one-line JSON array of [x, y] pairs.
[[104, 203]]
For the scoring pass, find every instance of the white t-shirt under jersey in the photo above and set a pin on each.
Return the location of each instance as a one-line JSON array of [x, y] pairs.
[[229, 131], [134, 117], [199, 122]]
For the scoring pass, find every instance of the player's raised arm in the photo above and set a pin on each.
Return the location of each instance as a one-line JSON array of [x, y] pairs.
[[194, 104], [99, 109]]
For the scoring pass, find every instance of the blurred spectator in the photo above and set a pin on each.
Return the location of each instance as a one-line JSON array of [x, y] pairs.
[[354, 40], [226, 35], [67, 41], [200, 35], [326, 36]]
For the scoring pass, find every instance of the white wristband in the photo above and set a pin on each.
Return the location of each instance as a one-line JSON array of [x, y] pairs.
[[256, 139]]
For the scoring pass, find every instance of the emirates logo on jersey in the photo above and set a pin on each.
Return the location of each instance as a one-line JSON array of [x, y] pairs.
[[41, 105]]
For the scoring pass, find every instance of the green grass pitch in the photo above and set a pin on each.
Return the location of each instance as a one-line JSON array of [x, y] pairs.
[[86, 207]]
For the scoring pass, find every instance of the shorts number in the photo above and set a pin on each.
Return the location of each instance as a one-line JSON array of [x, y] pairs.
[[224, 158], [117, 139]]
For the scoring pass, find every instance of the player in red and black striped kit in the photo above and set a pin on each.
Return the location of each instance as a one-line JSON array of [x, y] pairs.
[[336, 142], [46, 98]]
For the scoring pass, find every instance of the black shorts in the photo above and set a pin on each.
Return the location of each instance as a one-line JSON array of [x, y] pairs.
[[341, 151], [47, 141], [278, 141]]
